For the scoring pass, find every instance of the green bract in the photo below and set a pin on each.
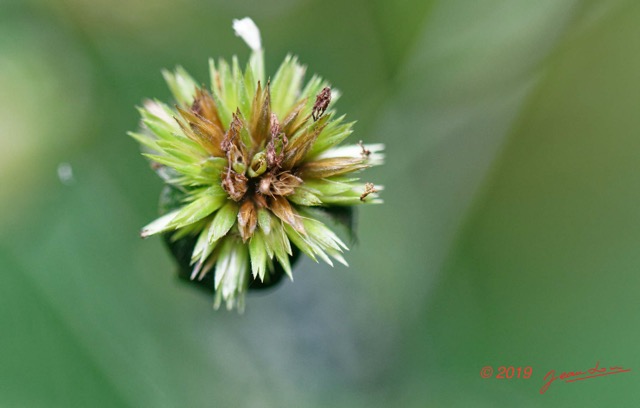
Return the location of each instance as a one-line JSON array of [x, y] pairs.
[[250, 158]]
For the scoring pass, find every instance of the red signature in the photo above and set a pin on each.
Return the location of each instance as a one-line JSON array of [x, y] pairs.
[[572, 376]]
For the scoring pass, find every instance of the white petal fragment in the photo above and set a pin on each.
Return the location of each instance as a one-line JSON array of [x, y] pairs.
[[375, 155], [248, 30], [159, 225], [231, 275], [162, 112]]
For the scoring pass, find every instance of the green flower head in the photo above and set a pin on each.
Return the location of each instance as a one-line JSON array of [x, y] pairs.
[[254, 162]]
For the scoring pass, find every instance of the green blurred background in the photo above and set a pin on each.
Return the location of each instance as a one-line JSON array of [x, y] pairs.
[[510, 232]]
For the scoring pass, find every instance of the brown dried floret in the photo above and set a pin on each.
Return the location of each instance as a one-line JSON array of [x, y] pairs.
[[369, 188], [276, 145], [247, 220], [365, 152], [201, 130], [261, 115], [234, 184], [300, 145], [282, 209], [328, 167], [322, 103], [205, 106], [293, 121]]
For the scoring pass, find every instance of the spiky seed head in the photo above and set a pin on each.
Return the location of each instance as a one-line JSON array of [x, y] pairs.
[[251, 159]]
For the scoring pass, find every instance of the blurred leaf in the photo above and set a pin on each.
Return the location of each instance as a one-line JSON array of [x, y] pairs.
[[550, 252]]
